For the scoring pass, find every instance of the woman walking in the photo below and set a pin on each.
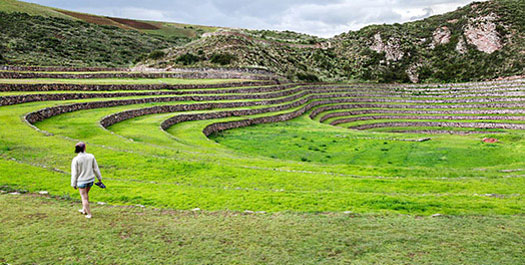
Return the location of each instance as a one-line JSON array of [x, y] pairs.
[[84, 169]]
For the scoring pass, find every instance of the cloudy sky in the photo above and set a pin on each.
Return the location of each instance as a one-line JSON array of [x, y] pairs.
[[318, 17]]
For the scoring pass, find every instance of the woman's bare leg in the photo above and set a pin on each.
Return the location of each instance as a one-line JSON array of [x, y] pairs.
[[85, 200]]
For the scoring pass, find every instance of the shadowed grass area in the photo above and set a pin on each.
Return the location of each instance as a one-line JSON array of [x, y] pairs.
[[52, 232]]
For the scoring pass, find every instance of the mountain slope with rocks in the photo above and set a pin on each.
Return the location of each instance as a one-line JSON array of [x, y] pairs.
[[483, 40], [480, 41]]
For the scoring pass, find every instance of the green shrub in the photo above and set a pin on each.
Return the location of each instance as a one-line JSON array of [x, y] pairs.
[[155, 55], [222, 58], [187, 59], [307, 77]]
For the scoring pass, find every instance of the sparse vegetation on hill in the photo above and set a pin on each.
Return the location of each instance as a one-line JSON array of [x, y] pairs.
[[36, 40], [439, 48], [477, 42], [165, 29], [480, 41]]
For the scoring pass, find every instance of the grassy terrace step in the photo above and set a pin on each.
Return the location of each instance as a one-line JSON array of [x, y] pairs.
[[329, 116], [198, 95], [157, 125], [113, 75], [342, 105], [181, 91], [441, 130], [109, 87], [449, 85], [386, 116], [357, 92], [462, 124], [15, 98], [57, 110]]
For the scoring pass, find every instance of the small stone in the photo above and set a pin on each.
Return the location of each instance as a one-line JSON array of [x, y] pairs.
[[249, 212], [140, 205], [101, 203], [347, 212], [15, 193], [43, 192], [436, 215], [260, 212], [3, 191], [195, 209]]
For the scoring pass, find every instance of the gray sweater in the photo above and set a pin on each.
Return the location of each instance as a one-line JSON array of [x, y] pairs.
[[84, 169]]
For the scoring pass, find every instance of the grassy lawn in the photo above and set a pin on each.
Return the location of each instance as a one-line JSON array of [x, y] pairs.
[[52, 232], [120, 81], [302, 140], [305, 175], [275, 172]]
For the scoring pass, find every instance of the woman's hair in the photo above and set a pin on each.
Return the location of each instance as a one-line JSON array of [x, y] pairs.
[[80, 147]]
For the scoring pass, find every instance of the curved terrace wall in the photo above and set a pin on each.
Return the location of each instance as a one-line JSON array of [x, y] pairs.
[[83, 87]]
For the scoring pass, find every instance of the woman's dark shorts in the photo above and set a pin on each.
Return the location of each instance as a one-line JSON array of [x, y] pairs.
[[87, 185]]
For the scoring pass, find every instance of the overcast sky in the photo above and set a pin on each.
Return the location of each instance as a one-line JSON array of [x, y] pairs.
[[318, 17]]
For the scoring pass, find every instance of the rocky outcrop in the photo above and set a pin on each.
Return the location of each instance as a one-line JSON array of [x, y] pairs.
[[481, 32], [412, 73], [441, 36], [461, 47], [392, 48]]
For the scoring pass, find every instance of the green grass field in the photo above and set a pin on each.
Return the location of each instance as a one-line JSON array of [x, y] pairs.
[[45, 230], [303, 173]]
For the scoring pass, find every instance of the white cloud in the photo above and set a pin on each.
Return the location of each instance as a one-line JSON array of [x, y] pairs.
[[319, 17]]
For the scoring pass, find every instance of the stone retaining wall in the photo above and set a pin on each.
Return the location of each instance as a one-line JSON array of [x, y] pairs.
[[478, 125], [393, 111], [46, 113], [185, 75], [251, 70], [445, 132], [81, 87], [322, 109], [410, 117], [19, 99], [112, 119], [162, 109], [58, 68]]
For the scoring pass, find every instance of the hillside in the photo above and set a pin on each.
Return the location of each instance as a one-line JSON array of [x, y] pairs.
[[32, 34], [168, 29], [477, 42]]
